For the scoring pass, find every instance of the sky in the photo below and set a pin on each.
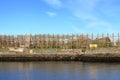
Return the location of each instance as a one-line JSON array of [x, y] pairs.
[[59, 16]]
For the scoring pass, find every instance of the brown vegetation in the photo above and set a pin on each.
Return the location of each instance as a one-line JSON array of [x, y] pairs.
[[58, 41]]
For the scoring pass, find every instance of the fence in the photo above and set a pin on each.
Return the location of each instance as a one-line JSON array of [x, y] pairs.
[[68, 41]]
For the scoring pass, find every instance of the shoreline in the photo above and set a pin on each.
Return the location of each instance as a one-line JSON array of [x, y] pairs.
[[83, 57]]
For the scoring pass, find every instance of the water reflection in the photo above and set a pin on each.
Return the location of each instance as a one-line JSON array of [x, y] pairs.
[[59, 71], [93, 72]]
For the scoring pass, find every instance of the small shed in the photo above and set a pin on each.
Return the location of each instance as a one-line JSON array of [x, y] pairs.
[[103, 42]]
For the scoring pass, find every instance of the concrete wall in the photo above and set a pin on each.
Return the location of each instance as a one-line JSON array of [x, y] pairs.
[[16, 49]]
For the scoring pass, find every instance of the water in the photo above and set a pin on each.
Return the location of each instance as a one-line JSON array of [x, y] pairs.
[[59, 71]]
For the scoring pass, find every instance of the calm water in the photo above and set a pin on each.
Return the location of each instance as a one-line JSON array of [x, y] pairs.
[[59, 71]]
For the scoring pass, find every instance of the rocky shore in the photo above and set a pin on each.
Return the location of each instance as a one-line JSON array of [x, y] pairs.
[[99, 55]]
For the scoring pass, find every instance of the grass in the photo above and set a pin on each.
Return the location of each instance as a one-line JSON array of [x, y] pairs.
[[3, 49]]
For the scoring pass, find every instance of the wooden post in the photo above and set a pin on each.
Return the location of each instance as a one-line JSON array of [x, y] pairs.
[[108, 43], [72, 41], [77, 41], [114, 44], [97, 41], [101, 41], [87, 41], [92, 37], [63, 41], [118, 40], [51, 40]]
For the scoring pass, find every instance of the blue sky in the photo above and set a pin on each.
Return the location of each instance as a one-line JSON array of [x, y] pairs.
[[59, 16]]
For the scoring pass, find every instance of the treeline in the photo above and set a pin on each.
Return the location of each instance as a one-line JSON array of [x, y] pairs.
[[59, 41]]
